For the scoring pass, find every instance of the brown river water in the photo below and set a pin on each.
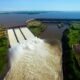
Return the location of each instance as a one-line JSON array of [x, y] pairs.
[[53, 31]]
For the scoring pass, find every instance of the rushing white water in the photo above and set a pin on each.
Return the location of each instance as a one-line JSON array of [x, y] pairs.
[[34, 59]]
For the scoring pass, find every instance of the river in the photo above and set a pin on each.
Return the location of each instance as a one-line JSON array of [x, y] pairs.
[[53, 31]]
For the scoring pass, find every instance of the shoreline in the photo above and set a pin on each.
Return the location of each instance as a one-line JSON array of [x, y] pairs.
[[14, 24]]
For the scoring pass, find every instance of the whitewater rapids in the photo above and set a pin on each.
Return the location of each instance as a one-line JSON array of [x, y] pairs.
[[35, 59]]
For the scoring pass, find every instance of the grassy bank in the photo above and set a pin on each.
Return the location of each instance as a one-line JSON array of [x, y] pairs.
[[36, 27]]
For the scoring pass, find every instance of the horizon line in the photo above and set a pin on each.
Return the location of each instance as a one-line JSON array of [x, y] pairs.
[[37, 11]]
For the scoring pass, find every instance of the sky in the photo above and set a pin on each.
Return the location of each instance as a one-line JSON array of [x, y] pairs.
[[39, 5]]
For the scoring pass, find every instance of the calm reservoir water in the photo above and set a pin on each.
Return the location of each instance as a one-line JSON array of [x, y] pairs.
[[16, 18], [19, 18]]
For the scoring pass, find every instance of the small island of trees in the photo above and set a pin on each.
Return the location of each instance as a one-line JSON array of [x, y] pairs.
[[36, 27]]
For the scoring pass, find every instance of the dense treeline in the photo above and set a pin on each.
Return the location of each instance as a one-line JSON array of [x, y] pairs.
[[71, 37], [3, 50]]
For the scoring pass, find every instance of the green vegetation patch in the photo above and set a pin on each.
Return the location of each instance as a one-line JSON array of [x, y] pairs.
[[71, 59], [3, 49], [36, 27]]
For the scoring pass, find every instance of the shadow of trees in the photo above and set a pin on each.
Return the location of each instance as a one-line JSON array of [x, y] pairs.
[[71, 69]]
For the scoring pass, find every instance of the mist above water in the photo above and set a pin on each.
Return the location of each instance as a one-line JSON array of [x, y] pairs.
[[35, 59]]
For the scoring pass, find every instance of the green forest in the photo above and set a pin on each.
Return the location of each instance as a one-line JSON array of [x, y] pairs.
[[71, 52], [3, 49]]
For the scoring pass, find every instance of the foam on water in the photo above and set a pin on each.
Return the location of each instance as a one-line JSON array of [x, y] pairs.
[[29, 46], [33, 59]]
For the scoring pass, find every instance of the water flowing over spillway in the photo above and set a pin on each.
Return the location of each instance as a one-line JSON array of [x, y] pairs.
[[35, 59]]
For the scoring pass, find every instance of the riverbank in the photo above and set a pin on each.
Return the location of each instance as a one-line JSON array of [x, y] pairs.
[[71, 56]]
